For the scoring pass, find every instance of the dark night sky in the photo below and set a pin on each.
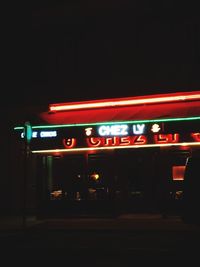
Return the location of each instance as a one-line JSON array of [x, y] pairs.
[[101, 49]]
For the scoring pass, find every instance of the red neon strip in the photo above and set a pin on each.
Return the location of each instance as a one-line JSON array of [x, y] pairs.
[[196, 136], [69, 142], [124, 102]]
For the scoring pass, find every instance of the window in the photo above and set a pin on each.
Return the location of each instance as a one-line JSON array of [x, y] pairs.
[[178, 173]]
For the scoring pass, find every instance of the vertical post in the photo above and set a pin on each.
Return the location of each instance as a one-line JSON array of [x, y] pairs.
[[27, 139], [49, 175], [26, 156]]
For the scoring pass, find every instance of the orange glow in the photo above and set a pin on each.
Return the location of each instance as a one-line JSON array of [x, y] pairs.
[[116, 141], [125, 101], [95, 176], [56, 194], [111, 141], [83, 149], [166, 138], [140, 140], [94, 141], [178, 173], [125, 141], [69, 142], [196, 136]]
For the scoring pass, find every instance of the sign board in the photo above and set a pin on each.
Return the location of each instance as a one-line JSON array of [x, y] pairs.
[[113, 135]]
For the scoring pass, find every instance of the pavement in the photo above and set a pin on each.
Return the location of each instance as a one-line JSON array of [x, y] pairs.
[[90, 241], [134, 221]]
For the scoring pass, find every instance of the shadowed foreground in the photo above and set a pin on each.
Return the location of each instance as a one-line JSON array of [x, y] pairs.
[[103, 241]]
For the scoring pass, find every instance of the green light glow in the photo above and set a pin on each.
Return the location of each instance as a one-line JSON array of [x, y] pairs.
[[27, 131], [109, 123]]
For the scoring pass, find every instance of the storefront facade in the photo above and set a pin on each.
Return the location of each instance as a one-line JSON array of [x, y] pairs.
[[112, 156]]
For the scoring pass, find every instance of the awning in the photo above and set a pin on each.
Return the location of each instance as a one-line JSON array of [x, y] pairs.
[[177, 109]]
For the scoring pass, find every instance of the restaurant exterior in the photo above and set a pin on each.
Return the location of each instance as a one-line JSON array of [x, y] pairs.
[[110, 156]]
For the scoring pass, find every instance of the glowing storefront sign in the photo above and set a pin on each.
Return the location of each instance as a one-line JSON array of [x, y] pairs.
[[138, 128], [155, 128], [48, 134], [118, 130], [166, 138], [115, 130], [42, 134], [88, 131], [69, 142], [116, 141], [196, 136], [34, 134], [130, 134]]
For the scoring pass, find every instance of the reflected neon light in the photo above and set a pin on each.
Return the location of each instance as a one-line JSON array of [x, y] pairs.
[[125, 102]]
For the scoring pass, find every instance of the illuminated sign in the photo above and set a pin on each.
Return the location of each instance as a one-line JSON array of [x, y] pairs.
[[155, 128], [116, 141], [42, 134], [123, 129], [48, 134], [114, 130], [111, 135]]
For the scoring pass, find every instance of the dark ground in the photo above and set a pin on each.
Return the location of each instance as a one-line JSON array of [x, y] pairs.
[[121, 241]]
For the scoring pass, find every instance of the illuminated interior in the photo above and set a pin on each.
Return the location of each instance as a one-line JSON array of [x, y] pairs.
[[178, 173]]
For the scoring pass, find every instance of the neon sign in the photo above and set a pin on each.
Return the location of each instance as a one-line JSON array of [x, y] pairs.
[[138, 128], [69, 142], [166, 138], [130, 134], [48, 134], [125, 102], [155, 128], [42, 134], [116, 141], [196, 136], [115, 130]]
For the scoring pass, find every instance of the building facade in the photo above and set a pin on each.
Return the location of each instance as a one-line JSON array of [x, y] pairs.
[[108, 156]]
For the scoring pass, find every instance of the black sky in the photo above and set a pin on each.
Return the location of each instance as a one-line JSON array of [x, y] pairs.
[[99, 49]]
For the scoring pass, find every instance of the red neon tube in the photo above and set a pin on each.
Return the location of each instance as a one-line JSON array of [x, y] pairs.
[[153, 99]]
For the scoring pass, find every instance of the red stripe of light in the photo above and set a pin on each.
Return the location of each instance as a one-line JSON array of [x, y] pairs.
[[123, 102]]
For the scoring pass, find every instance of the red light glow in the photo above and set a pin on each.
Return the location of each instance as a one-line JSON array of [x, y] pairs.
[[69, 142], [178, 173], [116, 141], [125, 102], [166, 138], [196, 136]]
